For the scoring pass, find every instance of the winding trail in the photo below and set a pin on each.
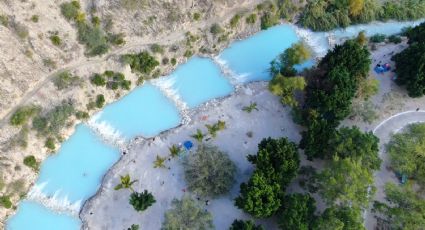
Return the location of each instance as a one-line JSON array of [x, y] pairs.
[[384, 131]]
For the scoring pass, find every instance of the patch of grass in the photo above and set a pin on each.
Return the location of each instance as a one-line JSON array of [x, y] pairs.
[[66, 80], [23, 114], [34, 18], [4, 20], [142, 62], [31, 162], [82, 115], [196, 16]]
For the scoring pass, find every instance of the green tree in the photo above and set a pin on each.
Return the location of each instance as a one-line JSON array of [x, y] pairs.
[[159, 162], [187, 214], [251, 107], [277, 159], [125, 183], [297, 212], [356, 7], [98, 80], [100, 101], [286, 87], [142, 62], [405, 208], [50, 143], [406, 151], [23, 114], [209, 172], [141, 201], [353, 143], [5, 202], [31, 162], [346, 181], [268, 20], [284, 64], [199, 136], [245, 225], [174, 150], [340, 218], [259, 197]]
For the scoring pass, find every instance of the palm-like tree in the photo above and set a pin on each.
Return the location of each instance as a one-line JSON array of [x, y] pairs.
[[126, 183], [250, 108], [174, 150], [199, 136], [213, 129], [159, 162]]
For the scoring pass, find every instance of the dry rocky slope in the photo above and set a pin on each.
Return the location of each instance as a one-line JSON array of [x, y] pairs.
[[29, 61]]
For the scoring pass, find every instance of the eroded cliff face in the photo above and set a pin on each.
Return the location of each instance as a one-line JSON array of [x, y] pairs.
[[30, 60]]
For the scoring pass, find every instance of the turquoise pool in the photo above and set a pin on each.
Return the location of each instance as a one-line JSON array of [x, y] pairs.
[[33, 216], [196, 82], [75, 172], [145, 111]]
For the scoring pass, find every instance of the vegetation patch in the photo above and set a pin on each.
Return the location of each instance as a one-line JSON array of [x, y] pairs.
[[31, 162], [142, 62], [66, 80], [112, 80], [23, 114], [141, 201]]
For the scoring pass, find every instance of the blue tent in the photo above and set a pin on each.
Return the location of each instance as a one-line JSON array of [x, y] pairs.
[[188, 145]]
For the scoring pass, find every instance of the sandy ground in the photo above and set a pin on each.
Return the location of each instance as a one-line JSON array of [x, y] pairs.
[[110, 209]]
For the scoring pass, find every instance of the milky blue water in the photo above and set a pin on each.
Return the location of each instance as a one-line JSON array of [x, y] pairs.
[[76, 170], [78, 167], [33, 216], [145, 111], [198, 81], [250, 58]]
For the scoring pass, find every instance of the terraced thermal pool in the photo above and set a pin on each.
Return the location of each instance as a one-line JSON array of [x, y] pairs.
[[68, 178]]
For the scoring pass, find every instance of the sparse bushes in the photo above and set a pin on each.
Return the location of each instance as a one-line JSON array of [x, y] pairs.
[[23, 114], [187, 214], [20, 29], [209, 172], [188, 53], [142, 62], [34, 18], [54, 120], [4, 20], [116, 39], [81, 115], [100, 101], [196, 16], [245, 225], [70, 10], [235, 20], [173, 61], [66, 80], [31, 162], [141, 201], [110, 79]]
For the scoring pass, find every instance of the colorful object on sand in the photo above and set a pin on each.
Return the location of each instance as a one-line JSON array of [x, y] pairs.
[[188, 145]]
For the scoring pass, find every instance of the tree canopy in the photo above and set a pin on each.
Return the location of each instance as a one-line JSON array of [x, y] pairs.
[[187, 214], [286, 87], [340, 218], [285, 62], [141, 201], [208, 171], [297, 212], [245, 225]]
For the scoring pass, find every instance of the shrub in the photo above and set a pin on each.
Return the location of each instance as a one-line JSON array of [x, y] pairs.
[[394, 39], [188, 53], [268, 20], [196, 16], [100, 101], [245, 225], [216, 29], [165, 61], [5, 202], [251, 19], [20, 29], [98, 80], [116, 39], [377, 38], [81, 115], [23, 114], [173, 61], [70, 10], [141, 201], [31, 162], [187, 214], [297, 212], [209, 172], [65, 80], [235, 20], [50, 143], [20, 139], [56, 40], [142, 62], [4, 20], [34, 18], [94, 38], [156, 48]]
